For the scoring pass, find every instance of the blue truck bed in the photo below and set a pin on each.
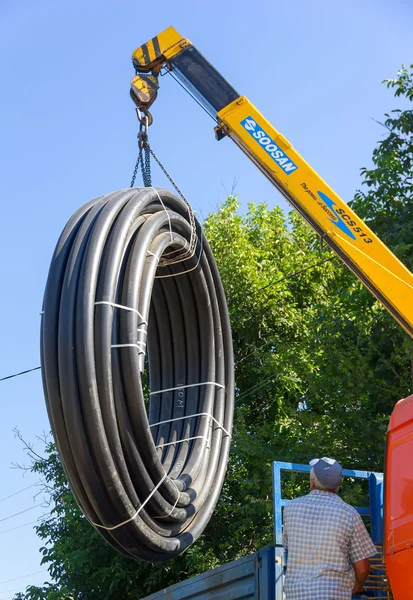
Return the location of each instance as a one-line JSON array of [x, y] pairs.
[[248, 578]]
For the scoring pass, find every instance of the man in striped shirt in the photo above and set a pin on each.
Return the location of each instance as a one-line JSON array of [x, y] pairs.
[[328, 544]]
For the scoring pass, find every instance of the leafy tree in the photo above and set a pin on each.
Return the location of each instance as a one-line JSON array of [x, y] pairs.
[[387, 204], [319, 366]]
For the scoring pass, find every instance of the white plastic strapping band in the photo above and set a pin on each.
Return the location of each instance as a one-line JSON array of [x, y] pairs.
[[137, 345], [123, 307], [183, 260], [184, 247], [195, 437], [137, 512], [189, 385], [167, 213], [203, 414]]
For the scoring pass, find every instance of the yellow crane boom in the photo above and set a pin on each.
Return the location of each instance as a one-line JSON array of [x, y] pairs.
[[348, 236]]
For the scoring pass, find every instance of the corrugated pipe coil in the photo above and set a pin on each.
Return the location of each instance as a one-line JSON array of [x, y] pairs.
[[133, 286]]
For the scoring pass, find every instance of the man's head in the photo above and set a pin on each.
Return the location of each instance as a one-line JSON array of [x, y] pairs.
[[325, 474]]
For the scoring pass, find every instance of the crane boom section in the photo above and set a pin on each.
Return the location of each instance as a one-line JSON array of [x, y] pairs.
[[348, 236]]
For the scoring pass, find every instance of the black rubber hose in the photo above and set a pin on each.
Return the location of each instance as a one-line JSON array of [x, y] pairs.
[[132, 274]]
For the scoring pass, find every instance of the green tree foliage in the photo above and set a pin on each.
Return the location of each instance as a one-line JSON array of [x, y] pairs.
[[388, 202], [319, 367]]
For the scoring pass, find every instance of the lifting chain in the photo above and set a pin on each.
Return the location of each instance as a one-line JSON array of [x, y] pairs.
[[145, 119], [144, 148]]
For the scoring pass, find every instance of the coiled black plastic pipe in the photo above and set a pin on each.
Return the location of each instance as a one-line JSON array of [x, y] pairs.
[[129, 269]]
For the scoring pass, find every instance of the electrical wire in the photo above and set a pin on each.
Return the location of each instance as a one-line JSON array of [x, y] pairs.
[[402, 226], [19, 492], [24, 524], [20, 512], [23, 576], [18, 374], [19, 589], [149, 487], [290, 276], [255, 388]]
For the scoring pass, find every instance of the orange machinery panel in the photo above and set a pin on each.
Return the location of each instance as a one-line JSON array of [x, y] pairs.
[[398, 502]]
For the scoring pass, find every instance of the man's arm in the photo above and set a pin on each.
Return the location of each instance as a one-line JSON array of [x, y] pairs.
[[360, 550], [285, 525], [361, 570]]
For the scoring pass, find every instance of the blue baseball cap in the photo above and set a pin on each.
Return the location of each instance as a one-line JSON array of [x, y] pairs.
[[328, 471]]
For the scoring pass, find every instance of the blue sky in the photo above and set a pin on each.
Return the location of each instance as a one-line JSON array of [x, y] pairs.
[[68, 134]]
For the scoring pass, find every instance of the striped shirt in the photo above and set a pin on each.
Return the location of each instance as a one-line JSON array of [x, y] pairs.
[[324, 537]]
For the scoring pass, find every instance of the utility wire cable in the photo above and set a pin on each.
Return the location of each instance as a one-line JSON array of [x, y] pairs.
[[290, 276], [18, 374], [20, 512], [19, 492], [255, 387], [19, 589], [24, 524], [22, 576]]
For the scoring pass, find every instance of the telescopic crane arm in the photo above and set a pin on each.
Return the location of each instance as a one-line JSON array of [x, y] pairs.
[[346, 234]]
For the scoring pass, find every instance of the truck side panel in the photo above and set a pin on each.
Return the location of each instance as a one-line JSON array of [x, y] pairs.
[[398, 513], [249, 578]]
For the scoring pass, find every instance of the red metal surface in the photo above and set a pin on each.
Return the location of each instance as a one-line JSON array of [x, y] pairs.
[[398, 502]]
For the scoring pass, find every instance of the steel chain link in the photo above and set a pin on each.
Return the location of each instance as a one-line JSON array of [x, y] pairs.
[[194, 237], [146, 168], [145, 165], [135, 170]]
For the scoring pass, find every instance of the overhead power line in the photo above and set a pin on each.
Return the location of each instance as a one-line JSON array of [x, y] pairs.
[[20, 513], [399, 227], [24, 524], [255, 387], [19, 589], [22, 576], [19, 492], [18, 374], [291, 275]]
